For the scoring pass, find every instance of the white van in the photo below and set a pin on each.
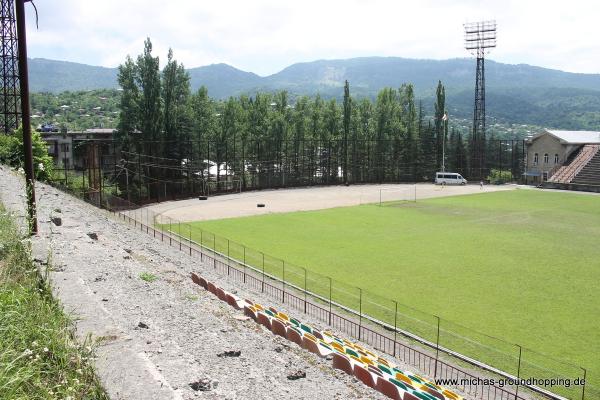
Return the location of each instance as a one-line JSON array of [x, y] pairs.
[[449, 178]]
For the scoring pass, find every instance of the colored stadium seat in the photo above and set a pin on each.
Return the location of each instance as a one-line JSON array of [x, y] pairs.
[[283, 316], [278, 328], [293, 335], [250, 311], [351, 352], [263, 319], [221, 294], [343, 363], [195, 279], [211, 288], [364, 376], [232, 301], [388, 389], [385, 369], [433, 392]]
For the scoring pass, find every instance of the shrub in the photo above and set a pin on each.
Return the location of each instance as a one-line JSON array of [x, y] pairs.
[[11, 153], [498, 177]]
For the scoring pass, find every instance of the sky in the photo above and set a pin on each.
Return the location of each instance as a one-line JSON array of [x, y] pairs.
[[265, 36]]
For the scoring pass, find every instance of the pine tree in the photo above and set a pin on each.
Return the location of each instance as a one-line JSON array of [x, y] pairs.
[[347, 116]]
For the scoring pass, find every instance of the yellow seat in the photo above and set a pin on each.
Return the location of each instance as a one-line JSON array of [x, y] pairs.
[[358, 360], [283, 316], [310, 337], [338, 347], [367, 360], [383, 361], [258, 307], [404, 378], [450, 394]]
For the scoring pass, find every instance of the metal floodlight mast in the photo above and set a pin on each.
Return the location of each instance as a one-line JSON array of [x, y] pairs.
[[9, 92], [480, 38]]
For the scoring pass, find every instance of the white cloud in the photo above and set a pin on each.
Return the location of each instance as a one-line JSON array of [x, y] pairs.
[[265, 36]]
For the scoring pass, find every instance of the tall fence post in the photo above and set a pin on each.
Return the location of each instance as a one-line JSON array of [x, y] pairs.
[[170, 231], [283, 281], [359, 312], [190, 242], [583, 389], [179, 233], [329, 300], [437, 347], [228, 259], [305, 291], [214, 251], [244, 249], [395, 326], [263, 273], [518, 372]]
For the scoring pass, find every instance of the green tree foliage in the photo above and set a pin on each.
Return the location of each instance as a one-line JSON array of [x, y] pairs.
[[11, 153]]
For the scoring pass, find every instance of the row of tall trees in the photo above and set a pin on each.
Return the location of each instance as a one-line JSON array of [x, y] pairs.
[[160, 117]]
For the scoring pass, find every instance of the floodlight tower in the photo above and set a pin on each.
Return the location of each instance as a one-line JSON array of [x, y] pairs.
[[480, 38], [9, 92]]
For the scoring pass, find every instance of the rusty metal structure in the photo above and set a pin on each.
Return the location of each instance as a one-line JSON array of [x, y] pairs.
[[9, 92]]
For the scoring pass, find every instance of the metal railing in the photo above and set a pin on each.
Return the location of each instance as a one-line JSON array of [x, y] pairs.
[[395, 339]]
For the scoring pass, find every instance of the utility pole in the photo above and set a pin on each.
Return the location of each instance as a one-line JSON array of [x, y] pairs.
[[26, 115]]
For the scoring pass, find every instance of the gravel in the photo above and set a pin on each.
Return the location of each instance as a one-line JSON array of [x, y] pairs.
[[163, 339]]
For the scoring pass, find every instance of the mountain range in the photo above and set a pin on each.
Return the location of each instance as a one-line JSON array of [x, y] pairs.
[[515, 93]]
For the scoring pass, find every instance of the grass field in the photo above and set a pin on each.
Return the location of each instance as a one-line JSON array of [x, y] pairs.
[[521, 265]]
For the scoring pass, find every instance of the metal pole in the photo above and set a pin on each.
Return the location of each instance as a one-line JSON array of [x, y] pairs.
[[518, 372], [179, 233], [244, 249], [305, 291], [214, 250], [395, 325], [170, 230], [228, 262], [283, 281], [584, 376], [26, 116], [329, 300], [263, 273], [359, 312], [190, 242], [437, 347]]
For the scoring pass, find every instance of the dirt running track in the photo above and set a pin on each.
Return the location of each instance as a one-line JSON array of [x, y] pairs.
[[304, 199]]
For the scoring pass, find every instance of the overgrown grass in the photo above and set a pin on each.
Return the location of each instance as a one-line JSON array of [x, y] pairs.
[[39, 356], [523, 266]]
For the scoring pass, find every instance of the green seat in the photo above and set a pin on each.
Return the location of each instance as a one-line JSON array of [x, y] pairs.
[[424, 395], [385, 369], [306, 328], [352, 352], [401, 385], [294, 322], [269, 312]]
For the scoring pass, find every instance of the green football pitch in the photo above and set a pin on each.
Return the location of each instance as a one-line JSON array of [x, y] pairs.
[[521, 265]]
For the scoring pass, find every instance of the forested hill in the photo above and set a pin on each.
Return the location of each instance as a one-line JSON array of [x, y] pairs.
[[516, 93]]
